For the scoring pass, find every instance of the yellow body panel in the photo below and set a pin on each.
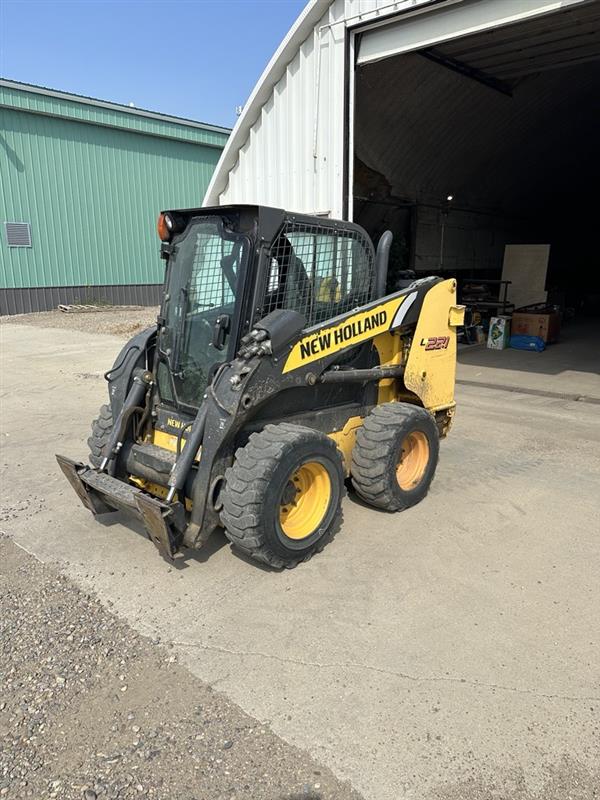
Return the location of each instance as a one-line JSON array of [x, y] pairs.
[[357, 328], [345, 439], [157, 490], [168, 441], [389, 347], [431, 365], [148, 486], [165, 440]]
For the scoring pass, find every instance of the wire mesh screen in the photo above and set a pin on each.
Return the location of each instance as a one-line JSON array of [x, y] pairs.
[[318, 271]]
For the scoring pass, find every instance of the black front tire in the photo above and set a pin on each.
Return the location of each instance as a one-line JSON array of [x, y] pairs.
[[256, 487], [381, 445], [101, 430]]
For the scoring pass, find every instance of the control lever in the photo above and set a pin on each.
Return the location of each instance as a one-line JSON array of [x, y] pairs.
[[220, 331]]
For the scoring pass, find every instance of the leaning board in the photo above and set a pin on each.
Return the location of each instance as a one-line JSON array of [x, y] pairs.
[[525, 265]]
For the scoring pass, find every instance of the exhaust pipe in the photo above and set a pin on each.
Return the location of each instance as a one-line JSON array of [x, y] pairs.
[[382, 258]]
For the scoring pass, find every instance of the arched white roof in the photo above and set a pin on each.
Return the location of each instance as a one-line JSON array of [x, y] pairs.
[[287, 148]]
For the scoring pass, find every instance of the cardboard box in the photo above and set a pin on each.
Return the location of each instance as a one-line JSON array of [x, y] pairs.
[[499, 333], [545, 324]]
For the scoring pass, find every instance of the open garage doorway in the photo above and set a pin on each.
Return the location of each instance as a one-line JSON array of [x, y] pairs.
[[478, 147]]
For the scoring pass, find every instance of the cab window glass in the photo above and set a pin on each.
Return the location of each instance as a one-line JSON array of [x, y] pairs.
[[319, 272]]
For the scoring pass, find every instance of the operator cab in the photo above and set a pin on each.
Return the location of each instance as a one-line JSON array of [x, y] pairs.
[[229, 267]]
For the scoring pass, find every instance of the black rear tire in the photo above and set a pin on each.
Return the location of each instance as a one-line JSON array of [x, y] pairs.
[[282, 496], [101, 430], [395, 456]]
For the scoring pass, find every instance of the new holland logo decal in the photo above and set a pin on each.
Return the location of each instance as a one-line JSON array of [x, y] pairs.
[[350, 331]]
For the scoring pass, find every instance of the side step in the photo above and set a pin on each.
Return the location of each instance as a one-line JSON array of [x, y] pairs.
[[101, 493], [157, 458]]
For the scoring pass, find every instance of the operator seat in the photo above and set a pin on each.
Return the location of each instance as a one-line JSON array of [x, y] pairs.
[[292, 287]]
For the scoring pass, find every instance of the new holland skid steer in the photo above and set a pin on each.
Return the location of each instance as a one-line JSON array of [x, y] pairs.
[[278, 368]]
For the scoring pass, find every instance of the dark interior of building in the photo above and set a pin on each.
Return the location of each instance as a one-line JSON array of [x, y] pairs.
[[486, 141]]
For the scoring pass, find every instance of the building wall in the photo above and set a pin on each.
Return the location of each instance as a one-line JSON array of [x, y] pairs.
[[288, 146], [472, 242], [92, 193]]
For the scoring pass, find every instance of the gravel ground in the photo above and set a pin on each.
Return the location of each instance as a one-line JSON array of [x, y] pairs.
[[90, 709], [116, 320]]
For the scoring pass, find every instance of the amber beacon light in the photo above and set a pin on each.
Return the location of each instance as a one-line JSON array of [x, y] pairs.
[[165, 226]]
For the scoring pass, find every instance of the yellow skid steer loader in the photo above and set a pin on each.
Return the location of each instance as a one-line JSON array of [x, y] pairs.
[[278, 368]]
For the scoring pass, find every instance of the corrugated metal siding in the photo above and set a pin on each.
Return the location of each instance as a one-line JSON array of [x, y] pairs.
[[92, 195], [271, 157], [282, 138], [26, 301], [56, 104]]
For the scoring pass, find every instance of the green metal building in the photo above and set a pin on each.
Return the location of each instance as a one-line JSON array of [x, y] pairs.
[[82, 182]]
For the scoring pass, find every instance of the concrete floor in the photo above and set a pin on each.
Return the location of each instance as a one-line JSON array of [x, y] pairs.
[[571, 367], [448, 652]]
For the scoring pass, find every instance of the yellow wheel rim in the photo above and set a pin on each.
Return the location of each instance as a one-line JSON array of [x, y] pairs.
[[414, 457], [305, 500]]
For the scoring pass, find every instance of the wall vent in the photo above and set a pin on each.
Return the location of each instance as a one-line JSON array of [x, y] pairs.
[[18, 234]]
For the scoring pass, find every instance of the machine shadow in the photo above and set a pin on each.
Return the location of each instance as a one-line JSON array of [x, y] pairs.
[[185, 557], [354, 498]]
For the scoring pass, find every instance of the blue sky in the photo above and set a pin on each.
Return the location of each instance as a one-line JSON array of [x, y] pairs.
[[192, 58]]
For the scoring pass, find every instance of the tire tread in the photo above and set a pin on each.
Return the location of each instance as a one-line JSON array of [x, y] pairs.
[[370, 456], [246, 482], [101, 430]]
